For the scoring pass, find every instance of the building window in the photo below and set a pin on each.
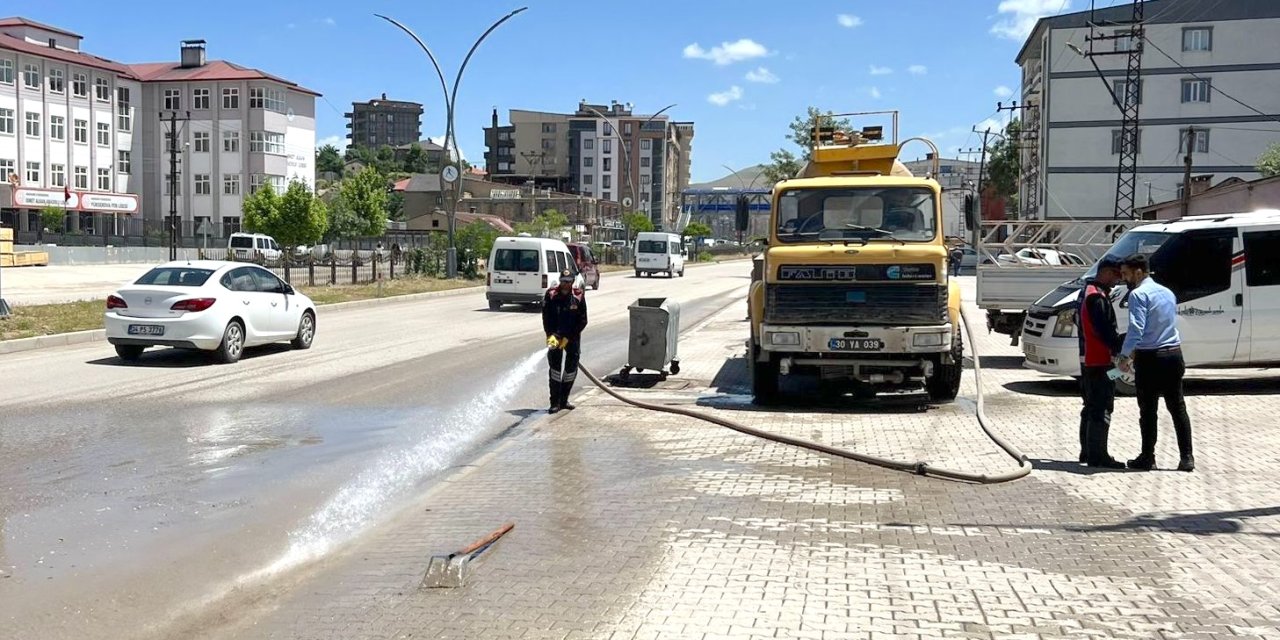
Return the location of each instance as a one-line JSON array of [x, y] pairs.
[[589, 143], [588, 179], [172, 99], [200, 140], [124, 111], [124, 162], [587, 193], [230, 98], [104, 179], [1120, 86], [589, 161], [1197, 39], [104, 134], [6, 71], [231, 184], [202, 184], [626, 147], [57, 175], [6, 169], [606, 146], [1201, 140], [504, 166], [82, 177], [33, 125], [606, 181], [1195, 90], [644, 162], [174, 183], [199, 98], [607, 164], [33, 172], [58, 128], [80, 85], [266, 142], [607, 195], [548, 143], [1123, 40], [608, 129], [1117, 142], [548, 127], [80, 131], [102, 89], [31, 76], [645, 178], [57, 81], [231, 141], [6, 121], [257, 180], [646, 144], [264, 98], [626, 128]]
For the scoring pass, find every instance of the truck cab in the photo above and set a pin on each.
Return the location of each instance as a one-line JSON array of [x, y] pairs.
[[853, 284]]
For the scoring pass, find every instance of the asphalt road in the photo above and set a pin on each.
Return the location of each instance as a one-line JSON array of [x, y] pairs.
[[129, 494]]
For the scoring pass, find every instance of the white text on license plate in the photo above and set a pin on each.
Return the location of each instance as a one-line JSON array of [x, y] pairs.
[[855, 344]]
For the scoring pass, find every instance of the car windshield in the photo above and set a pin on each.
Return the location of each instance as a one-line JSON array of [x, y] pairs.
[[652, 246], [175, 277], [905, 214], [516, 260], [1141, 242], [241, 242]]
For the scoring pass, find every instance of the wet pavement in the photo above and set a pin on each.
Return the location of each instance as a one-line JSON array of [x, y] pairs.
[[130, 495], [631, 524]]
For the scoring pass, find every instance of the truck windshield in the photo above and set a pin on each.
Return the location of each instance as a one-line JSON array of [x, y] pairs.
[[906, 214], [1143, 242]]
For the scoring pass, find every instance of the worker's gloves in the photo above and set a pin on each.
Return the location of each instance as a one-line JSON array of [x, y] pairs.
[[557, 342]]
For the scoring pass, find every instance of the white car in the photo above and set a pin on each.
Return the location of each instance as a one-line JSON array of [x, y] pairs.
[[208, 305], [1047, 257]]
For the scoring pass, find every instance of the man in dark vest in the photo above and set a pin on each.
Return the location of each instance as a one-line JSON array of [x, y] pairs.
[[564, 316], [1099, 346]]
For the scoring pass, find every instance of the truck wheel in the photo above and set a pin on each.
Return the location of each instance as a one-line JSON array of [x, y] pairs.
[[944, 386], [764, 379]]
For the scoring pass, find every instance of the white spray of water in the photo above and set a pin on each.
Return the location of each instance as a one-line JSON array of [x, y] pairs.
[[358, 502]]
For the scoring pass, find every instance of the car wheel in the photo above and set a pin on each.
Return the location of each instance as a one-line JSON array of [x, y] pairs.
[[128, 352], [595, 286], [232, 346], [306, 331], [637, 273], [494, 305]]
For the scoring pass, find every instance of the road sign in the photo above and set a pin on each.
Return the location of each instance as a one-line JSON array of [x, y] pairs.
[[449, 173]]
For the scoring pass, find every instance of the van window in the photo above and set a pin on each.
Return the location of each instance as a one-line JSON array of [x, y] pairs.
[[241, 242], [516, 260], [675, 248], [652, 246], [1262, 258], [552, 263], [1195, 264]]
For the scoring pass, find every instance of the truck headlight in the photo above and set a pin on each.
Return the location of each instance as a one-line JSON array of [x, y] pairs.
[[1066, 324], [784, 338], [927, 340]]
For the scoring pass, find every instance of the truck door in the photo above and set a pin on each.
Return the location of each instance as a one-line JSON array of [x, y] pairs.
[[1198, 267], [1262, 295]]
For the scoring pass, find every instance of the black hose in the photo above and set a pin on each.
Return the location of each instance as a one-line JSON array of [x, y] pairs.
[[918, 468]]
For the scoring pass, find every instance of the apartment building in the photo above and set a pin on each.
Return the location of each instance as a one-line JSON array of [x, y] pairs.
[[383, 122], [1196, 57], [67, 127], [599, 151]]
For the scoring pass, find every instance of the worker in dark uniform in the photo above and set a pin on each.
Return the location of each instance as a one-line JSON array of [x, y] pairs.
[[1099, 346], [564, 316]]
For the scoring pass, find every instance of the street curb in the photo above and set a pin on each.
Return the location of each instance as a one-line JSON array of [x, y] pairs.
[[95, 335]]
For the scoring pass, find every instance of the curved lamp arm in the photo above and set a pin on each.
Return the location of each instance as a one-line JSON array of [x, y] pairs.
[[458, 79]]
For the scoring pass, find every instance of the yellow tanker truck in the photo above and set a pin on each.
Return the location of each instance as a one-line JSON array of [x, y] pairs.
[[854, 285]]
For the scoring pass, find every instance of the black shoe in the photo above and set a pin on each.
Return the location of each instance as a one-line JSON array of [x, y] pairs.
[[1107, 463], [1143, 463], [567, 407], [1188, 463], [1084, 459], [553, 410]]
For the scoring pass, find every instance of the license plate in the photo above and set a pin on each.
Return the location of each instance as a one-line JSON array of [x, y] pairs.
[[503, 281], [146, 330], [855, 344]]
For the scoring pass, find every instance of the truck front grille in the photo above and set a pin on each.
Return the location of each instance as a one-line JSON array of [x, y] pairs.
[[871, 304]]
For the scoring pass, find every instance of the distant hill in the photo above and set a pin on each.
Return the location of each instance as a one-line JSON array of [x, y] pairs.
[[744, 177]]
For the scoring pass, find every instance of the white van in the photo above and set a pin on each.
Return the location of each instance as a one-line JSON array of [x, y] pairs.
[[658, 252], [522, 269], [1225, 271], [248, 246]]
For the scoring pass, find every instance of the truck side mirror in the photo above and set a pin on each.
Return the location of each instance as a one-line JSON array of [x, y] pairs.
[[742, 213], [968, 212]]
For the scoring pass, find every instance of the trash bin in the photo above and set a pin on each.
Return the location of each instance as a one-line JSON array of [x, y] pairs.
[[655, 331]]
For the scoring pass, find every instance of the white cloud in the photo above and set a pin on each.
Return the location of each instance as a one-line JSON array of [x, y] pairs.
[[727, 52], [455, 153], [1003, 91], [993, 124], [330, 21], [880, 71], [762, 75], [917, 70], [849, 21], [338, 141], [1020, 16], [723, 98], [875, 93], [290, 26]]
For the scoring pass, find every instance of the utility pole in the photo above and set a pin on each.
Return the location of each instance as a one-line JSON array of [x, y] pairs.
[[173, 180], [1190, 141]]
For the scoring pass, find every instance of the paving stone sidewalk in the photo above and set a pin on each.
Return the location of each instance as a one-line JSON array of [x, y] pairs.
[[631, 524]]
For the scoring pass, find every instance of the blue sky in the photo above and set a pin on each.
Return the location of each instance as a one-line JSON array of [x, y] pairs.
[[740, 70]]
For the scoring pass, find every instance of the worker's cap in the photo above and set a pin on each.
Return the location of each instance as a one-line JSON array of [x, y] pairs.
[[566, 276]]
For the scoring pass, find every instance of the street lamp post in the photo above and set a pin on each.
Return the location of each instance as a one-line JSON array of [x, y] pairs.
[[627, 153], [450, 101]]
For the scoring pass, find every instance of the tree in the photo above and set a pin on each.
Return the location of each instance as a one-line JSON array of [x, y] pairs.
[[1269, 161], [295, 218], [328, 160], [364, 197], [544, 224], [395, 206], [1004, 163], [261, 210], [637, 222], [52, 219], [697, 230], [415, 160], [783, 164], [474, 241]]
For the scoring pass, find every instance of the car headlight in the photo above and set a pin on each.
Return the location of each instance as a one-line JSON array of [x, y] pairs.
[[784, 338], [927, 340], [1066, 325]]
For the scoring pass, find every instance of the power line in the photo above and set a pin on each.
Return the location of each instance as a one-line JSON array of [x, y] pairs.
[[1209, 83]]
